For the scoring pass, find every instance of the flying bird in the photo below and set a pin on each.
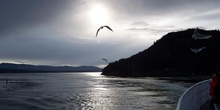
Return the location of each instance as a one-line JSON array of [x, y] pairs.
[[105, 60], [197, 50], [196, 35], [102, 28]]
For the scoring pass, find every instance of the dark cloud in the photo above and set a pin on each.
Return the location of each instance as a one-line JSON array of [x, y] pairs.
[[18, 14], [138, 8]]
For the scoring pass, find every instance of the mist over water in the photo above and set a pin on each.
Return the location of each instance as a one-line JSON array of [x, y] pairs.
[[69, 91]]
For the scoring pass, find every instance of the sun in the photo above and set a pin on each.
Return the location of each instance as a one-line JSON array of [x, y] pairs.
[[99, 14]]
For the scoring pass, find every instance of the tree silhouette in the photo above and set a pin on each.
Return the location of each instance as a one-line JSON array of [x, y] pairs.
[[171, 56]]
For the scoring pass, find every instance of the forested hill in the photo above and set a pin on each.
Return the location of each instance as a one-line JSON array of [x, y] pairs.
[[172, 55]]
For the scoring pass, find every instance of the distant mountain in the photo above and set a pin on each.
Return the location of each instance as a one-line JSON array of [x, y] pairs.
[[175, 54], [18, 68]]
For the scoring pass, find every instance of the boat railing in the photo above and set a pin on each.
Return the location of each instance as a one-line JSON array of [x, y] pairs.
[[195, 96]]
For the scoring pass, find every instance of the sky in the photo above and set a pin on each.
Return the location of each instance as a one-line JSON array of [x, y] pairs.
[[62, 32]]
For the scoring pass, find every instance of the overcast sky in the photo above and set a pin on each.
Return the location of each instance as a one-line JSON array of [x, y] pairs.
[[62, 32]]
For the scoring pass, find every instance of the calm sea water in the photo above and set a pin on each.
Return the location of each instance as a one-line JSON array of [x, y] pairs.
[[82, 91]]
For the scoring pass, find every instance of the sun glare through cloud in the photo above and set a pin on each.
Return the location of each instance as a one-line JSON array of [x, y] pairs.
[[99, 14]]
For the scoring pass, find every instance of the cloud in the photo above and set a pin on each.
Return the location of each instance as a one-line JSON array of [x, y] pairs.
[[59, 32], [24, 14], [154, 28], [58, 50], [140, 23], [157, 9]]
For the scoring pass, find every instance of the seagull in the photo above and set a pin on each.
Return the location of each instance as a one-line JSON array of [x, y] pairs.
[[197, 35], [102, 28], [105, 60], [197, 50]]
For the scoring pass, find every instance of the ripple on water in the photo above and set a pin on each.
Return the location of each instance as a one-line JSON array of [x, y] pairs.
[[76, 91]]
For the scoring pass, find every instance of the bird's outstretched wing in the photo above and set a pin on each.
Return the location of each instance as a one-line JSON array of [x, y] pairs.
[[102, 28], [108, 27], [202, 36], [196, 31], [196, 35], [105, 60], [97, 31], [197, 50]]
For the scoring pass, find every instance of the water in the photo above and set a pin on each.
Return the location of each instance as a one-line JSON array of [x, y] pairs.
[[82, 91]]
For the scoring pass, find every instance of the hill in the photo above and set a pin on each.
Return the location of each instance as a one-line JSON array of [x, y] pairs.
[[172, 55], [21, 68]]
